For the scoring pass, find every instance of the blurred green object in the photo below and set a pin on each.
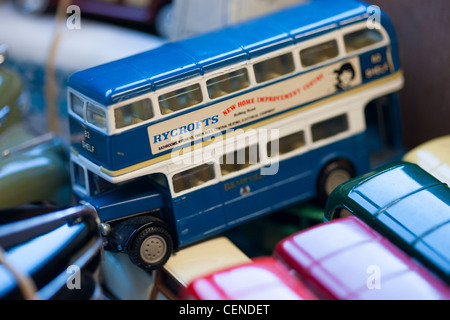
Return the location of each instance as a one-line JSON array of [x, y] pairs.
[[259, 237], [32, 169]]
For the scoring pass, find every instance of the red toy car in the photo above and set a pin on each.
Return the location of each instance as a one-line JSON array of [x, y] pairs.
[[346, 259], [339, 260], [261, 279]]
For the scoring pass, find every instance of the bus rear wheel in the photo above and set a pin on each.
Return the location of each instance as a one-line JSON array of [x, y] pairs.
[[332, 175], [151, 248]]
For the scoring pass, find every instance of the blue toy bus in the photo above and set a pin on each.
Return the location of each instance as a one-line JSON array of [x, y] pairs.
[[181, 142]]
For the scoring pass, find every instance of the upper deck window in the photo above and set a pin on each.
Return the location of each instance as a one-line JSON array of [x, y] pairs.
[[361, 38], [77, 105], [274, 67], [133, 113], [96, 116], [180, 99], [319, 53], [227, 83]]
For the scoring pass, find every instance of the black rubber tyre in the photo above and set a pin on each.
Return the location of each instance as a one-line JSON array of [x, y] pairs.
[[332, 175], [151, 248]]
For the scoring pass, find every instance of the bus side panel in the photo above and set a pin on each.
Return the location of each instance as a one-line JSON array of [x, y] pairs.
[[88, 142], [375, 64], [198, 214], [129, 148], [254, 194]]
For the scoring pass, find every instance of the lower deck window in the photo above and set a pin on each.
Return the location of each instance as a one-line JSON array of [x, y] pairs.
[[99, 185], [239, 160], [192, 177], [287, 144], [79, 178], [330, 127]]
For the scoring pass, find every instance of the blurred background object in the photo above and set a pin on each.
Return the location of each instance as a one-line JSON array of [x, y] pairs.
[[433, 156], [30, 38], [33, 168], [422, 29], [192, 17], [49, 254], [149, 15]]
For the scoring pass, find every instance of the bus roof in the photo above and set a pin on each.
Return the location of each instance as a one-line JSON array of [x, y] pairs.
[[128, 77]]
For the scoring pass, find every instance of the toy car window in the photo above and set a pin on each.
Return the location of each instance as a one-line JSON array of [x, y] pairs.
[[239, 159], [77, 105], [133, 113], [180, 99], [193, 177], [287, 144], [96, 116], [274, 67], [319, 53], [329, 127], [227, 83], [361, 38]]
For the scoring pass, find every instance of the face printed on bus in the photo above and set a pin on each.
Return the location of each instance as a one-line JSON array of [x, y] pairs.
[[345, 75]]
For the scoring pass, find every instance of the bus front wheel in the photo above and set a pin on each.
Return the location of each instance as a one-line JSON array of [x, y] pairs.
[[151, 248], [332, 175]]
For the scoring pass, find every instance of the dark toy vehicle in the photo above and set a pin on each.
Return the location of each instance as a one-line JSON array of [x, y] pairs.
[[404, 203], [50, 255]]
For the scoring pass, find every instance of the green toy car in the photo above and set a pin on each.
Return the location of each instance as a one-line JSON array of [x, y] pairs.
[[404, 203], [32, 168]]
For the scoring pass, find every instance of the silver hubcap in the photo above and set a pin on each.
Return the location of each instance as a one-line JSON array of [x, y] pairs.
[[335, 178], [153, 249]]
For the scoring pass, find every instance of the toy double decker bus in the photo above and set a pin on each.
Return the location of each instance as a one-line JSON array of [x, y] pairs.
[[181, 142]]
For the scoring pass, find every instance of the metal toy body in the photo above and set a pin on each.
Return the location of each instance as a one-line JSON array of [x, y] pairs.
[[194, 137], [261, 279], [49, 254], [404, 203], [346, 259], [433, 156]]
